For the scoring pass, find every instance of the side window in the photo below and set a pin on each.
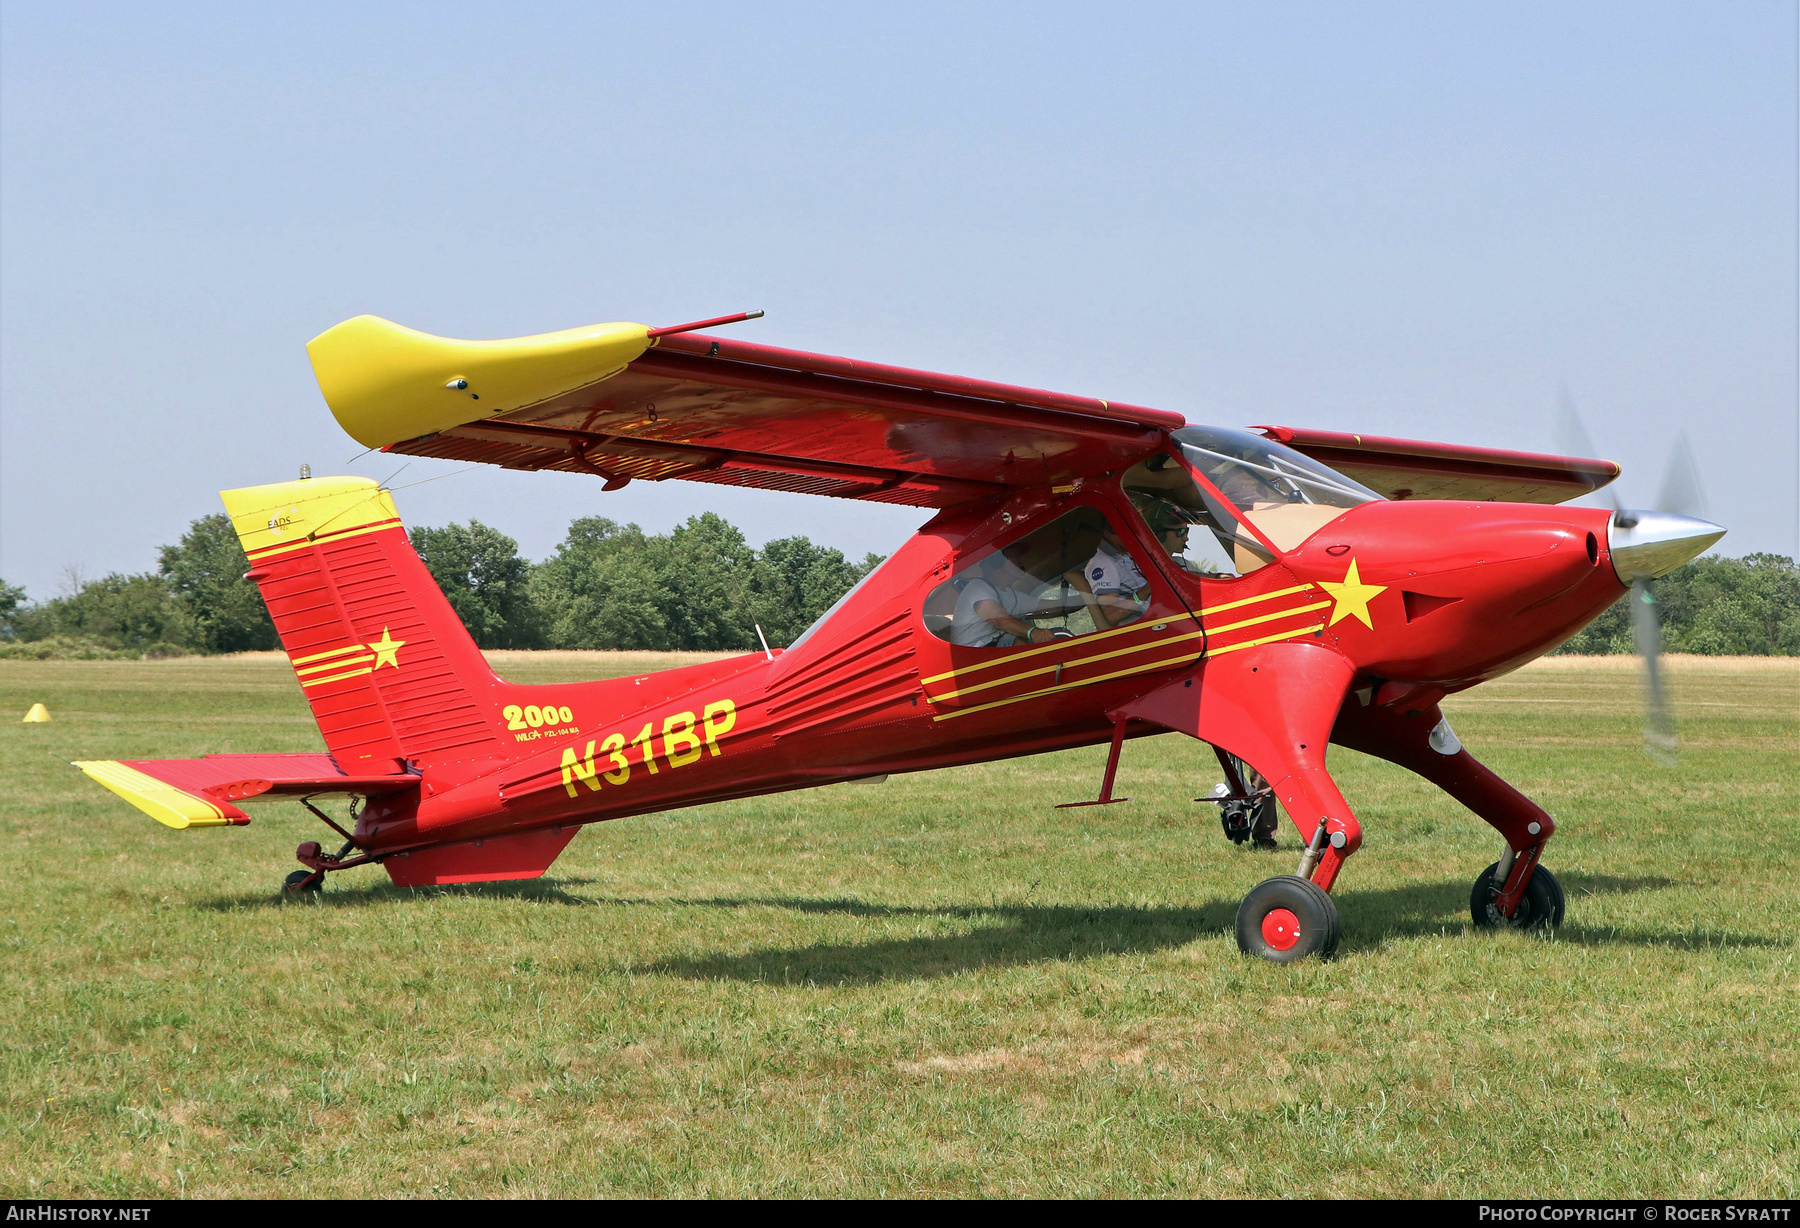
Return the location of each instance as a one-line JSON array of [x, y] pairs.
[[1072, 577], [1199, 533]]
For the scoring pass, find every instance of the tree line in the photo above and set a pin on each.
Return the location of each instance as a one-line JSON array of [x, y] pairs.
[[699, 587]]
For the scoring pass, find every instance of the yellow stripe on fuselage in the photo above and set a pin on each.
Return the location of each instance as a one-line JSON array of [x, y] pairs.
[[1052, 668], [1013, 658], [1125, 673]]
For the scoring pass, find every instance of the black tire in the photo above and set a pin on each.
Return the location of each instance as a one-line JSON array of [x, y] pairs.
[[302, 881], [1261, 930], [1540, 908], [1254, 821]]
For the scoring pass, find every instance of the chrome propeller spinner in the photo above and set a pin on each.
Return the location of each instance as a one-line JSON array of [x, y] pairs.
[[1646, 545]]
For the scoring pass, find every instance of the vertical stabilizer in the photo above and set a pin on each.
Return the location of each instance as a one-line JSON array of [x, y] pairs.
[[387, 666]]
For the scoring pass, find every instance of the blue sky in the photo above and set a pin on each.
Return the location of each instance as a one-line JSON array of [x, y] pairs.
[[1416, 220]]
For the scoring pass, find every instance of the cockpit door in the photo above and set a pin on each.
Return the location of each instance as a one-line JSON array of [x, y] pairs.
[[1046, 623]]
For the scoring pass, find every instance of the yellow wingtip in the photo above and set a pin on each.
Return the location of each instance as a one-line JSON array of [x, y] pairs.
[[163, 802], [386, 383]]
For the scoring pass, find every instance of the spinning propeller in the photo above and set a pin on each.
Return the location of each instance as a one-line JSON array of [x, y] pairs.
[[1647, 544]]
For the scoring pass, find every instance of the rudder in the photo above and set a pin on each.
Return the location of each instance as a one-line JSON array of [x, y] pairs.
[[391, 673]]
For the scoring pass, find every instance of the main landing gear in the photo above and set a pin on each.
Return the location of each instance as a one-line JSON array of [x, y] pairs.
[[1286, 919], [1540, 904], [1246, 804]]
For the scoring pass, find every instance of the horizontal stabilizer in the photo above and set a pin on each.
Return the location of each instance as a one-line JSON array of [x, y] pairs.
[[183, 793]]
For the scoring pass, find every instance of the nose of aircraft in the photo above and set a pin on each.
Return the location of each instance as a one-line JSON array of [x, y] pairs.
[[1646, 545]]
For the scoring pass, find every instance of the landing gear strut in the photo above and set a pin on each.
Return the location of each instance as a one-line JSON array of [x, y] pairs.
[[1540, 904], [303, 882], [1246, 804]]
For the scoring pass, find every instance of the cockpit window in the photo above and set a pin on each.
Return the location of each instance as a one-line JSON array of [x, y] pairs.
[[1072, 577], [1199, 534], [1288, 496]]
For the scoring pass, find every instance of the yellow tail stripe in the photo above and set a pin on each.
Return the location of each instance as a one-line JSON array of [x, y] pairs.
[[257, 556], [160, 800], [335, 652], [318, 669], [355, 673]]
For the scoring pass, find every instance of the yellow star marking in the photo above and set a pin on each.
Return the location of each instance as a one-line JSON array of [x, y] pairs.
[[1351, 595], [387, 649]]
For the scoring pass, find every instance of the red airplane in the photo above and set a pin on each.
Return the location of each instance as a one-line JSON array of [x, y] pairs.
[[1093, 572]]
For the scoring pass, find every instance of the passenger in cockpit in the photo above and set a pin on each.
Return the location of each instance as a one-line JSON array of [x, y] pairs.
[[1120, 591]]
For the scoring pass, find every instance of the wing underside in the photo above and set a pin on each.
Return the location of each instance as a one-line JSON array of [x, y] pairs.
[[1415, 469], [735, 414]]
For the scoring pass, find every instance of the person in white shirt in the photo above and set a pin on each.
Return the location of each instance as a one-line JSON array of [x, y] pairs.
[[1121, 593], [994, 606]]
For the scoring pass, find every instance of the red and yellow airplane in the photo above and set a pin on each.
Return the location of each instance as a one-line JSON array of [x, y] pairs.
[[1092, 572]]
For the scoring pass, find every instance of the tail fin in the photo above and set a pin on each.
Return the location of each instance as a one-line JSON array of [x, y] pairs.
[[389, 669]]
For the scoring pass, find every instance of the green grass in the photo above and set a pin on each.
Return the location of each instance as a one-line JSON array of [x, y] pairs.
[[939, 985]]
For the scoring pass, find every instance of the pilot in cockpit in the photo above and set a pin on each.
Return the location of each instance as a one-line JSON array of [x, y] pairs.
[[995, 607]]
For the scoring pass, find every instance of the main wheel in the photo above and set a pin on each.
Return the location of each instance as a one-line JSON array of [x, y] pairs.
[[1540, 908], [1287, 918], [301, 881]]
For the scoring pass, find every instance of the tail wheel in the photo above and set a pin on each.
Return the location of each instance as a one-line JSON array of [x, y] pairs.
[[301, 882], [1540, 908], [1286, 919]]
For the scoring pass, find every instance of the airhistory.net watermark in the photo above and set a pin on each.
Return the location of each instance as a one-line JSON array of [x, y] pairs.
[[73, 1213]]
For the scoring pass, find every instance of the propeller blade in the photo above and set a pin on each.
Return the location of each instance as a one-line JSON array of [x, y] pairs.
[[1681, 490], [1572, 437], [1646, 628]]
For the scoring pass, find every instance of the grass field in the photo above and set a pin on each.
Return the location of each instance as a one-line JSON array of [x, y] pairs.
[[935, 986]]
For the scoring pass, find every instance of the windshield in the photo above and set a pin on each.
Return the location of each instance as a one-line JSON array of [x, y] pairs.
[[1197, 532], [1286, 495], [1255, 472]]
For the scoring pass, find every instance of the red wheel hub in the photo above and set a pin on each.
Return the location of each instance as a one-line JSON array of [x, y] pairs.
[[1281, 929]]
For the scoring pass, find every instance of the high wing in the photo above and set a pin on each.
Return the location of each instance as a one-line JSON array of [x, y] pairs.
[[183, 793], [1414, 469], [623, 402]]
